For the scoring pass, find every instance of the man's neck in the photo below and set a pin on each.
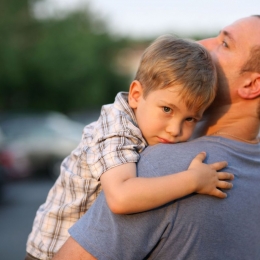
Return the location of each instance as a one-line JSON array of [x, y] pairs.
[[233, 122]]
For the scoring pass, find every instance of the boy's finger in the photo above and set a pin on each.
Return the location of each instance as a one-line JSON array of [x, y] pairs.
[[218, 165], [224, 185], [220, 194], [225, 176], [201, 156]]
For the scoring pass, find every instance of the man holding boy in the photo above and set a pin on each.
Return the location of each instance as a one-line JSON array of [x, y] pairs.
[[174, 84], [197, 226]]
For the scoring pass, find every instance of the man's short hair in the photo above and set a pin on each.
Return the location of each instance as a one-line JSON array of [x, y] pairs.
[[253, 62], [185, 64]]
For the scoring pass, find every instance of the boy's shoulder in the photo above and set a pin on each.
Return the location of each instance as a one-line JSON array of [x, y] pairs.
[[114, 118], [121, 103], [119, 110]]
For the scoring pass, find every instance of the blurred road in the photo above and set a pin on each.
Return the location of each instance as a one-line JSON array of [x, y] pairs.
[[17, 211]]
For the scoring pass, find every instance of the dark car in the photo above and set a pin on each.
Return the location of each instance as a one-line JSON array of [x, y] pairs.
[[36, 143]]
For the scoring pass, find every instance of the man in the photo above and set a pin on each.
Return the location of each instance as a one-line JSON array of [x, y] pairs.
[[198, 226]]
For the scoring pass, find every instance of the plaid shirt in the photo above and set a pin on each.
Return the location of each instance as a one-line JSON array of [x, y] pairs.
[[111, 141]]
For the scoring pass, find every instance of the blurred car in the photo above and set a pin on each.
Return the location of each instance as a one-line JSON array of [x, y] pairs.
[[36, 143]]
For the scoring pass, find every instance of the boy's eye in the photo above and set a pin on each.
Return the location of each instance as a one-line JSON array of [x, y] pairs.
[[167, 109], [190, 119]]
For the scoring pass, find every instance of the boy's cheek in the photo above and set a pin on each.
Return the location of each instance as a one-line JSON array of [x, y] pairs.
[[189, 133]]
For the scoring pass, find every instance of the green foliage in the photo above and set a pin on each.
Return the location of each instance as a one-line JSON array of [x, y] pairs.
[[56, 64]]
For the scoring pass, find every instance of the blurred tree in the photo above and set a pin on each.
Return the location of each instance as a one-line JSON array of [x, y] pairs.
[[56, 64]]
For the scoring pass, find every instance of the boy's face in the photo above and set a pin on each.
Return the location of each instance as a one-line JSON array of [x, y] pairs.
[[162, 116]]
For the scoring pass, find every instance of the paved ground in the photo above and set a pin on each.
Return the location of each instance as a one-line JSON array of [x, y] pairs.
[[17, 211]]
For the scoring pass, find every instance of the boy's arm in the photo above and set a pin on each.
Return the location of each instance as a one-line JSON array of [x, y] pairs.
[[125, 193]]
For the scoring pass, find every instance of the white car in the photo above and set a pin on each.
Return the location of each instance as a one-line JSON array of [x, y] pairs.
[[36, 143]]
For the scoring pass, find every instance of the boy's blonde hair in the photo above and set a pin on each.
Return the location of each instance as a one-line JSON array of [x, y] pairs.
[[170, 61]]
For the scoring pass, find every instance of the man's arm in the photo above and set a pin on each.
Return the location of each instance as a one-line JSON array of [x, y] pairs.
[[71, 250], [108, 236]]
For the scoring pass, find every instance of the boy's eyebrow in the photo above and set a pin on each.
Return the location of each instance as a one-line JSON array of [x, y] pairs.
[[165, 103], [198, 116]]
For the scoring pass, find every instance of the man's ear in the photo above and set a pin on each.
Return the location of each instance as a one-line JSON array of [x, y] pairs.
[[135, 94], [251, 89]]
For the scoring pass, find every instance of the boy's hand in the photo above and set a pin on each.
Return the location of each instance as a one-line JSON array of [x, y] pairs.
[[207, 178]]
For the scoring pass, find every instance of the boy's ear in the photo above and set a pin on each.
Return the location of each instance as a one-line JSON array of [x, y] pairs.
[[135, 94], [251, 89]]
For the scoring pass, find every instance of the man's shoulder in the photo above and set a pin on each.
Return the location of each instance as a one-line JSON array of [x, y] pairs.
[[163, 159], [178, 148]]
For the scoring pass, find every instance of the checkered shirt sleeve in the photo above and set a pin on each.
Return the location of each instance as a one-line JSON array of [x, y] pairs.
[[116, 140]]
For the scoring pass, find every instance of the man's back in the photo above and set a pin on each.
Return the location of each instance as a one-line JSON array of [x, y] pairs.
[[196, 227], [205, 227]]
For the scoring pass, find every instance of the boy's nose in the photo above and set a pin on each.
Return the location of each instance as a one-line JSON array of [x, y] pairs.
[[174, 130]]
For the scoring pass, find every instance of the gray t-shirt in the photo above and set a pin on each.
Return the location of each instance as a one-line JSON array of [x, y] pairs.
[[197, 227]]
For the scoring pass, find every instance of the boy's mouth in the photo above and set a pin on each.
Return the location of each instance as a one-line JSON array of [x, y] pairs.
[[165, 141]]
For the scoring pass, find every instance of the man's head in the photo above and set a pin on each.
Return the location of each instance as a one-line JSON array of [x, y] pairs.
[[175, 83], [236, 51]]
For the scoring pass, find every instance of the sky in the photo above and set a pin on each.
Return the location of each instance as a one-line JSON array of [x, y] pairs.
[[150, 18]]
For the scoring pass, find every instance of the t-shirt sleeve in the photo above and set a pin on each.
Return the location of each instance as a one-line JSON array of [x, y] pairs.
[[112, 236]]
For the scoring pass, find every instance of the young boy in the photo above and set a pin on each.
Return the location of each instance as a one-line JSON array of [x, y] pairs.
[[175, 83]]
